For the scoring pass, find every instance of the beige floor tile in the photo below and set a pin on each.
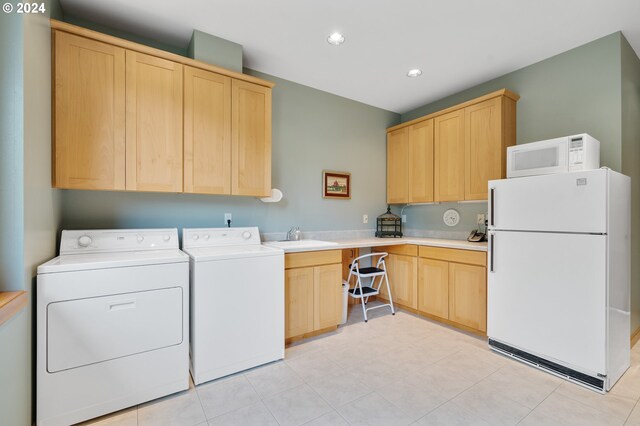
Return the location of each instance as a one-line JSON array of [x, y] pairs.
[[611, 404], [452, 414], [273, 378], [449, 380], [225, 395], [494, 408], [536, 418], [566, 411], [330, 419], [314, 365], [256, 414], [297, 406], [376, 373], [373, 410], [340, 388], [413, 396], [181, 409], [634, 417], [128, 417], [629, 384], [521, 383]]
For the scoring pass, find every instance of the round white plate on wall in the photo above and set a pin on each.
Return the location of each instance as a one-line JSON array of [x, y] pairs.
[[451, 217]]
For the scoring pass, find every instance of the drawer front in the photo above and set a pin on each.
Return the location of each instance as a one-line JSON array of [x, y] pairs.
[[470, 257], [312, 258], [403, 249]]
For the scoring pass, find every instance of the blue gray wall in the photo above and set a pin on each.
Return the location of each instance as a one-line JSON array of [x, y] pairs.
[[312, 131], [29, 208], [631, 160]]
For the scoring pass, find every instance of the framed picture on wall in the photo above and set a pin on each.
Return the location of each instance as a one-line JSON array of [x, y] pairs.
[[336, 184]]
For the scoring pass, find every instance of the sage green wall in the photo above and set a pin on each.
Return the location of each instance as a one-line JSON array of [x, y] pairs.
[[312, 131], [215, 50], [29, 208], [631, 161]]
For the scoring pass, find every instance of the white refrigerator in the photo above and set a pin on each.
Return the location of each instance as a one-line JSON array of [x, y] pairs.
[[558, 274]]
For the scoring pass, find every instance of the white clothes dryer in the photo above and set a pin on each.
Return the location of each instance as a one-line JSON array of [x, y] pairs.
[[112, 323]]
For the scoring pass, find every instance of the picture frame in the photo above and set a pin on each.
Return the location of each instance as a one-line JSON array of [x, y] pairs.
[[336, 185]]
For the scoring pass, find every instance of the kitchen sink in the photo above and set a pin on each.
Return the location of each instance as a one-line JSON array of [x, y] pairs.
[[300, 244]]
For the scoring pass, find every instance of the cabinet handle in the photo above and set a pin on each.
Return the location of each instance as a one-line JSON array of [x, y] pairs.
[[492, 245]]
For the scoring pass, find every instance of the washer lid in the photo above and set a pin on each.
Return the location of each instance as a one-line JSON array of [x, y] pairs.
[[90, 261], [203, 254]]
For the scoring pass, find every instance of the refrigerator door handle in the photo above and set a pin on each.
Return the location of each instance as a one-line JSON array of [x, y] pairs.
[[491, 197], [492, 243]]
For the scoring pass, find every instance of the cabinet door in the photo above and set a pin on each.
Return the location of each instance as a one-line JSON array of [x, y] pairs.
[[421, 162], [403, 280], [468, 295], [484, 151], [154, 124], [398, 166], [207, 132], [449, 156], [327, 304], [433, 287], [251, 139], [89, 114], [298, 295]]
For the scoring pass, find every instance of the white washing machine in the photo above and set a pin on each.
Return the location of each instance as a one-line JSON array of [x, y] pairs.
[[112, 323], [237, 301]]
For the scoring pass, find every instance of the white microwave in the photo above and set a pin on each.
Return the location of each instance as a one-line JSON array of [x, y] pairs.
[[560, 155]]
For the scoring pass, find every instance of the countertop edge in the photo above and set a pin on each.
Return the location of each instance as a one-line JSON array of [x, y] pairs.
[[371, 242]]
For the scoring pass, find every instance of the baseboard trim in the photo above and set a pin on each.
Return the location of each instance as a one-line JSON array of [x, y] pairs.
[[293, 339]]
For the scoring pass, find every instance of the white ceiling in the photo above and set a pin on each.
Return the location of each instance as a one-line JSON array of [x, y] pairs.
[[457, 43]]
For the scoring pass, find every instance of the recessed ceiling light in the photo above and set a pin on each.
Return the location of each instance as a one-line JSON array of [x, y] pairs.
[[414, 73], [335, 39]]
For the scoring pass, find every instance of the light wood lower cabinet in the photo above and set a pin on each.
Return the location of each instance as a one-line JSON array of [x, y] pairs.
[[312, 292], [298, 293], [403, 279], [468, 295], [433, 287]]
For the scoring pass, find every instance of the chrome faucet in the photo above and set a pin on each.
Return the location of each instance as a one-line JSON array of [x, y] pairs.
[[294, 234]]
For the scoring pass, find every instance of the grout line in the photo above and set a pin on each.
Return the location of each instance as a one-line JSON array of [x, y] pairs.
[[631, 412]]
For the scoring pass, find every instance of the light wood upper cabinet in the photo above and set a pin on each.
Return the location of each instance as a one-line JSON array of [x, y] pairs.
[[298, 294], [89, 114], [251, 139], [468, 295], [433, 287], [207, 132], [327, 284], [421, 162], [153, 123], [398, 166], [449, 156], [484, 151]]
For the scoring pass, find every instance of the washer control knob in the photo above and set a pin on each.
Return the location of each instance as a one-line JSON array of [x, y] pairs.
[[84, 241], [166, 237], [206, 237], [246, 235], [195, 237], [140, 238]]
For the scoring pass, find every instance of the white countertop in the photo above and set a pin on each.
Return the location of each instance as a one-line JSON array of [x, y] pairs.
[[377, 242]]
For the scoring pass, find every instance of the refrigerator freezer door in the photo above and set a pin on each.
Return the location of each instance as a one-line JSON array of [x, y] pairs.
[[564, 202], [547, 296]]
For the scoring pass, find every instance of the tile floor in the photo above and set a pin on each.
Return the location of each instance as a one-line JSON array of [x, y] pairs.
[[394, 370]]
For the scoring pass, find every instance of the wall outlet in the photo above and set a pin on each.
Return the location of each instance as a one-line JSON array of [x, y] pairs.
[[404, 218], [227, 218], [480, 219], [365, 218]]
